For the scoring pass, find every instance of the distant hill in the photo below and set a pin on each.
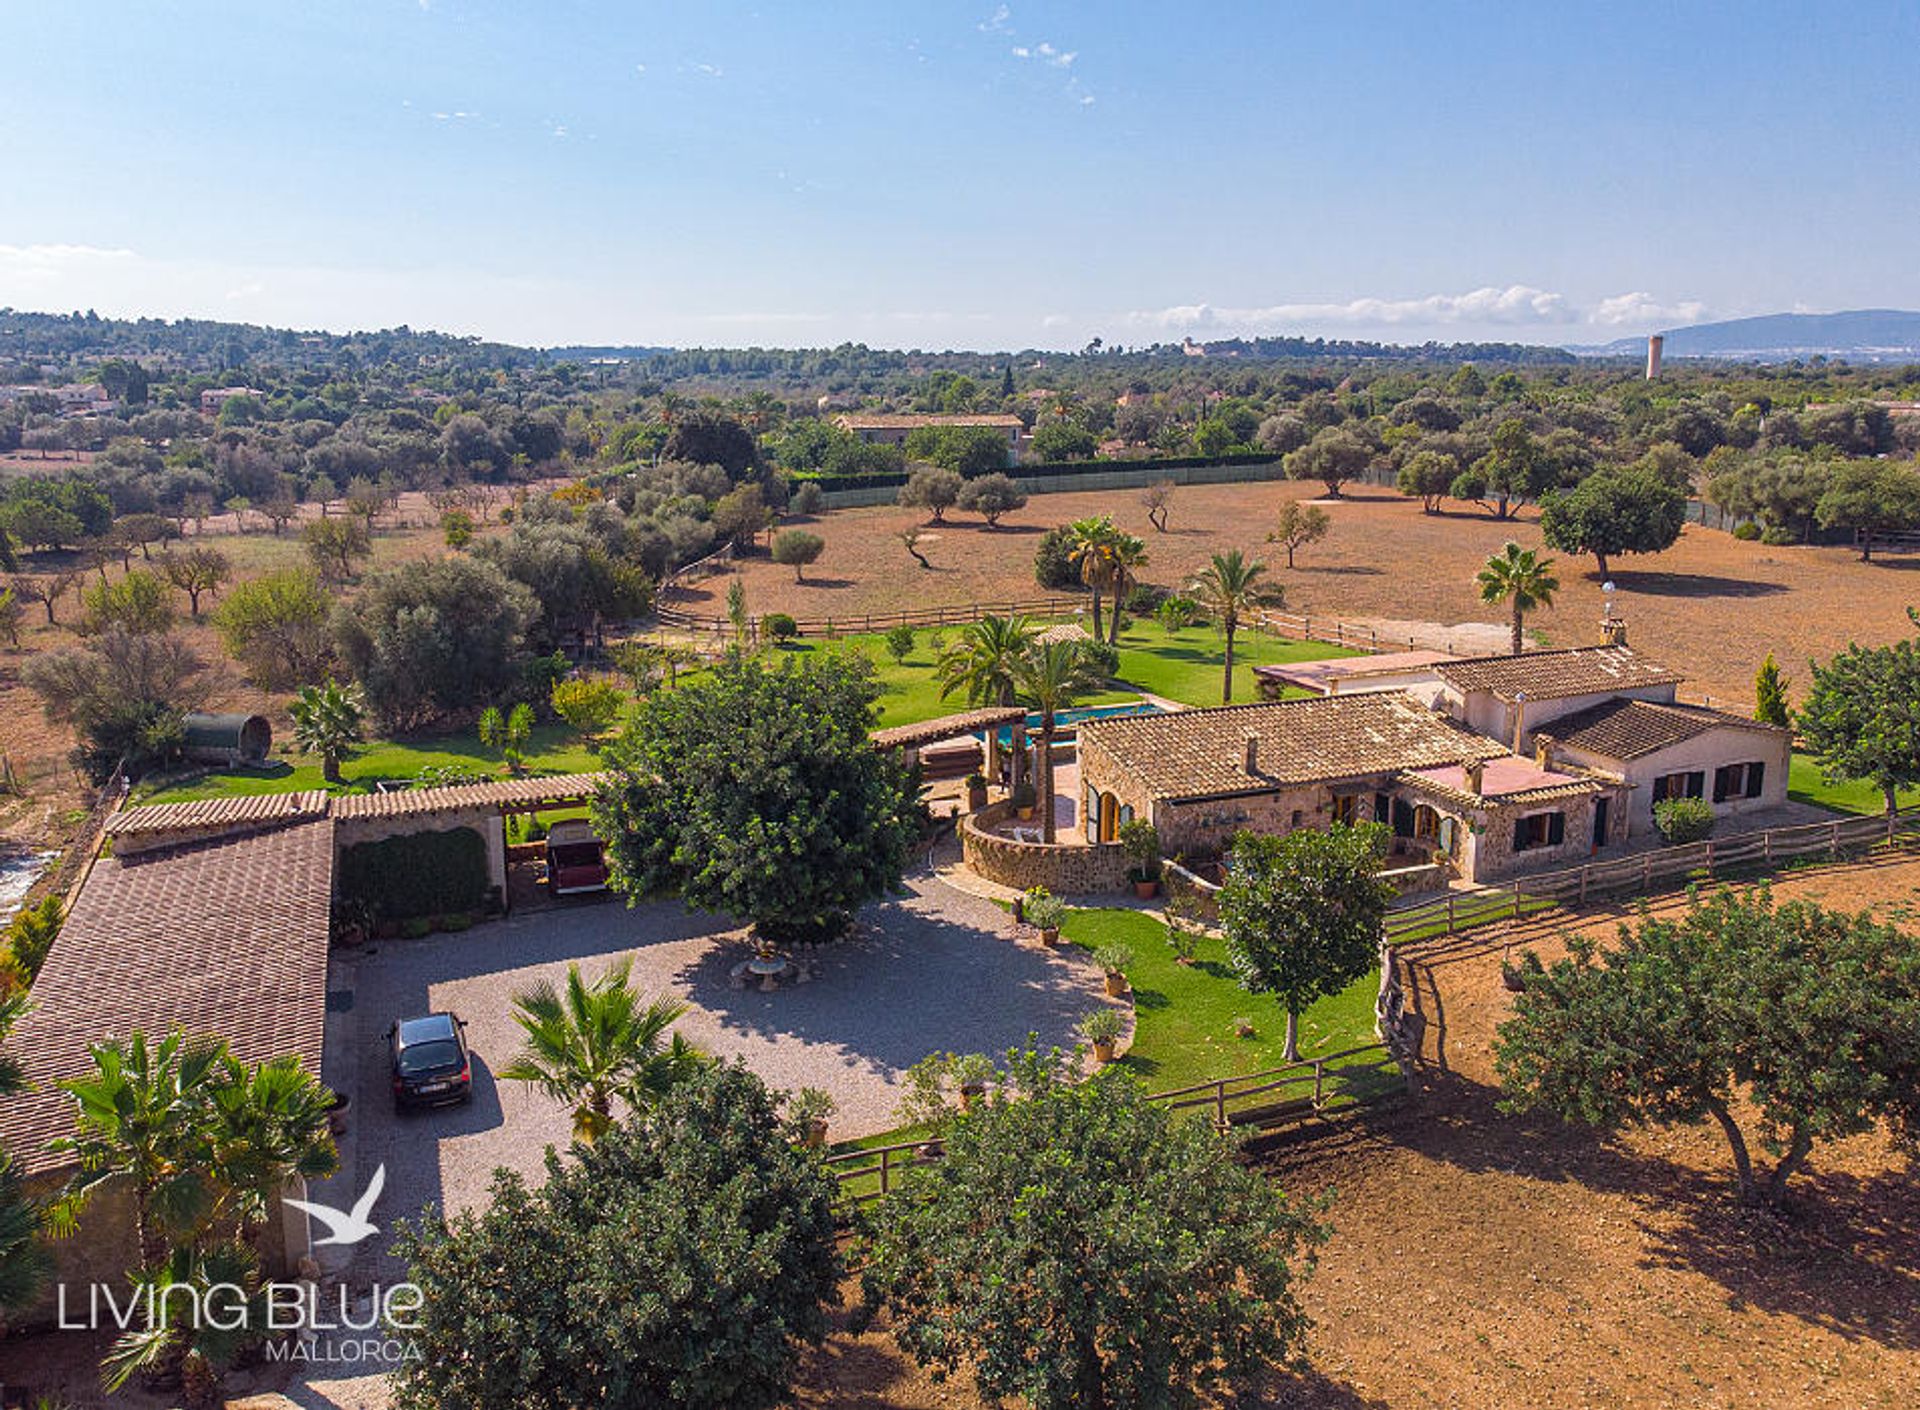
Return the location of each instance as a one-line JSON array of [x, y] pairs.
[[1860, 335]]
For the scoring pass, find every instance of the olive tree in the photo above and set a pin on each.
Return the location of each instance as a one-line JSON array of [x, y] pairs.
[[1080, 1246], [1803, 1023]]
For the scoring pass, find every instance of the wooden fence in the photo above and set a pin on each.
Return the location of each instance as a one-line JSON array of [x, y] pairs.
[[1254, 1101], [1639, 874]]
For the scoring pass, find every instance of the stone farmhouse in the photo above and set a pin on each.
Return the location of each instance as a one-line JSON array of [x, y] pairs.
[[880, 428], [1485, 767]]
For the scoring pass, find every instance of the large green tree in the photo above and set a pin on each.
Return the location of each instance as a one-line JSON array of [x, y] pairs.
[[1614, 511], [1302, 913], [275, 626], [681, 1260], [1870, 497], [1802, 1022], [1085, 1249], [1334, 456], [1861, 717], [435, 636], [755, 791]]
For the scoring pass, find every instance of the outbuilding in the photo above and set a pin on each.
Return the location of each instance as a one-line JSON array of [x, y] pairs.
[[227, 739]]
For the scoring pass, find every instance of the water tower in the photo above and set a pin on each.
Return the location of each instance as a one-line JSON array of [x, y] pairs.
[[1654, 343]]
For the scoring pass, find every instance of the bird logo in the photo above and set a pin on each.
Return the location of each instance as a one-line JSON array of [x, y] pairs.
[[352, 1226]]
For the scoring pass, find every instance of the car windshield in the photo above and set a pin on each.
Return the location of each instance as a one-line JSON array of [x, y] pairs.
[[426, 1057]]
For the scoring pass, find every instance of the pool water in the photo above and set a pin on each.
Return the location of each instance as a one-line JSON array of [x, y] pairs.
[[1065, 720]]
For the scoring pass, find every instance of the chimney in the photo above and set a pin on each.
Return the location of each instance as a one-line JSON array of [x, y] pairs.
[[1613, 631], [1543, 752], [1474, 771], [1253, 755], [1654, 344], [1519, 720]]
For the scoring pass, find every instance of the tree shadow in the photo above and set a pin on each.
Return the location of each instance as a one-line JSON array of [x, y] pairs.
[[825, 583], [1342, 570], [1692, 585], [1844, 1255]]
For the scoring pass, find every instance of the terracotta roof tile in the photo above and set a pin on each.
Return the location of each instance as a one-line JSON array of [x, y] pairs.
[[1630, 729], [264, 810], [225, 936], [1553, 675], [1196, 753], [551, 791], [946, 727]]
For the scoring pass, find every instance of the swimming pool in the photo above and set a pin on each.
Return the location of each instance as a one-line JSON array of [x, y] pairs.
[[1064, 721]]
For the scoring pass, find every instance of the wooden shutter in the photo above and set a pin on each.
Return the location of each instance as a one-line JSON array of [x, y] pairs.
[[1556, 829], [1723, 782], [1697, 784], [1756, 779]]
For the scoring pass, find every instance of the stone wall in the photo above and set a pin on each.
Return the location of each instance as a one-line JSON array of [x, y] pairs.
[[1065, 869]]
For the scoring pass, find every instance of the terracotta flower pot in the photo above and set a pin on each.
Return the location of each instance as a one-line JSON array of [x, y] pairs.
[[1103, 1049], [1116, 984], [816, 1133], [1050, 937], [1146, 890], [1025, 814]]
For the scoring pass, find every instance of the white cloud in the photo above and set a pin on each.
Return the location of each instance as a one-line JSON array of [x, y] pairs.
[[559, 129], [1642, 308], [1047, 54], [1518, 304], [710, 70], [639, 68], [997, 21], [247, 290]]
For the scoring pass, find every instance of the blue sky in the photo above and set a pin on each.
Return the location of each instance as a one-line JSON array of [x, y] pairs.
[[958, 175]]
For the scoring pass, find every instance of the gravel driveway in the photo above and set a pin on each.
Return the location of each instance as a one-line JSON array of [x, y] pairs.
[[931, 970]]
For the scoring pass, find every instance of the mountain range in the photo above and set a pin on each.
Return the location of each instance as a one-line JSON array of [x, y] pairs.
[[1859, 335]]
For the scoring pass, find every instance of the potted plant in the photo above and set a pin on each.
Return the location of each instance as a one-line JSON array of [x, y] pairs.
[[976, 791], [972, 1074], [1243, 1027], [1103, 1028], [807, 1113], [1141, 842], [1024, 799], [1044, 912], [1113, 961]]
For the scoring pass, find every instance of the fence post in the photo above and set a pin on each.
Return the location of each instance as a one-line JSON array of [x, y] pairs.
[[1766, 846], [1709, 856], [1833, 846], [1452, 896], [1583, 885], [1646, 871], [1220, 1104], [1319, 1072]]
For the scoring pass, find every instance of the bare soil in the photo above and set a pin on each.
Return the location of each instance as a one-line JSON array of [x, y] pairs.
[[1711, 605]]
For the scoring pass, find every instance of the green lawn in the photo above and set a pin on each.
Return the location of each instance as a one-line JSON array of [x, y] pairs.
[[554, 749], [1184, 1014], [1805, 785], [1183, 666]]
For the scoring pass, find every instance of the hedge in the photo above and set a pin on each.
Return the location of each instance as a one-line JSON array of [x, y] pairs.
[[417, 874], [1046, 470]]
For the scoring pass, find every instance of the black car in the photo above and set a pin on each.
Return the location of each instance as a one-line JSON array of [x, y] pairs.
[[431, 1065]]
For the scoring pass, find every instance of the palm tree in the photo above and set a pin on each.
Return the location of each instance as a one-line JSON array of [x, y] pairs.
[[1127, 555], [1092, 553], [174, 1341], [13, 1008], [326, 721], [981, 663], [597, 1042], [24, 1263], [269, 1125], [1051, 676], [1229, 587], [142, 1117], [1517, 576]]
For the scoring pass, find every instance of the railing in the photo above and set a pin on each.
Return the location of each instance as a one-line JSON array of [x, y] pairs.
[[1296, 626], [883, 621], [1459, 910], [1231, 1099]]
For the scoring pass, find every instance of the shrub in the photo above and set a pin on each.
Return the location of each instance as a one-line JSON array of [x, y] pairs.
[[809, 498], [779, 626], [808, 1105], [419, 928], [1104, 659], [590, 706], [1747, 532], [1144, 599], [991, 496], [457, 526], [1683, 820], [933, 489], [1053, 566], [900, 643], [1177, 613], [418, 874], [1779, 537], [796, 548]]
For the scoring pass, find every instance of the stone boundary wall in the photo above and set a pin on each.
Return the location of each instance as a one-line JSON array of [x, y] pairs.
[[1065, 869], [1118, 478]]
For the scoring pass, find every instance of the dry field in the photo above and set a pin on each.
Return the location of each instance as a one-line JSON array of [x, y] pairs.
[[1711, 605], [1480, 1259]]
